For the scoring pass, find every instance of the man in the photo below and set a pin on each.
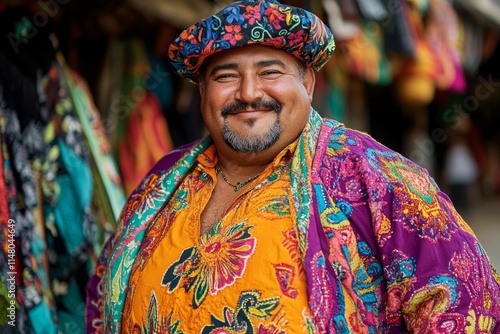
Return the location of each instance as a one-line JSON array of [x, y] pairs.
[[281, 221]]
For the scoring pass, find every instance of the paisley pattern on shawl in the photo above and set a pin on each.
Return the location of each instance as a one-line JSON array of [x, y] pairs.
[[417, 204], [414, 196], [356, 180], [468, 267]]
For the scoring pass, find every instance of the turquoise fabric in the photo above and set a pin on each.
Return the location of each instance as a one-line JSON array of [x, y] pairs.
[[76, 194]]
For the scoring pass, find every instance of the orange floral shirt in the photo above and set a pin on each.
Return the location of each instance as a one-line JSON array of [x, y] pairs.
[[242, 276]]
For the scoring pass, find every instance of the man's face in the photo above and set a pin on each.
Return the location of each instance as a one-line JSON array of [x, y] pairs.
[[255, 98]]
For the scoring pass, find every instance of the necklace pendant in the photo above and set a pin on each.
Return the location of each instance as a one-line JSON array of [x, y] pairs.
[[239, 184]]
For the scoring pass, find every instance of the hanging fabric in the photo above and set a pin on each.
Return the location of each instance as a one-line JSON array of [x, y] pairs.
[[110, 187], [141, 136], [58, 184], [442, 33]]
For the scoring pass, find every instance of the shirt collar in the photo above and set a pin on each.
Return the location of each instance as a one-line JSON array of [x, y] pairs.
[[208, 159]]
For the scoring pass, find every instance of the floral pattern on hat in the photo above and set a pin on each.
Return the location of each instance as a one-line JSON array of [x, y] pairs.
[[267, 22]]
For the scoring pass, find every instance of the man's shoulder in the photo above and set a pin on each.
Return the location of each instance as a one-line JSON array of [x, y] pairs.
[[345, 146], [348, 141], [163, 165], [169, 159], [352, 154]]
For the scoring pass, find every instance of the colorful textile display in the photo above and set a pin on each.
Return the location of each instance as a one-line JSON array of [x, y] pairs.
[[49, 188]]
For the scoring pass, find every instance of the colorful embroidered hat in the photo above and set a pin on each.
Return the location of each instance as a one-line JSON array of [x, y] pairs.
[[266, 22]]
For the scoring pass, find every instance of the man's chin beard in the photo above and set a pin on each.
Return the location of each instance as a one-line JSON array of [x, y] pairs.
[[251, 145]]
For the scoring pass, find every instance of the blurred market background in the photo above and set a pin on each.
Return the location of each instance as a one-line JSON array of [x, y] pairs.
[[88, 104]]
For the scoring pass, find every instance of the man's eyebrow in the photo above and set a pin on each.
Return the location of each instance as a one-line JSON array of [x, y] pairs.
[[270, 62], [227, 66]]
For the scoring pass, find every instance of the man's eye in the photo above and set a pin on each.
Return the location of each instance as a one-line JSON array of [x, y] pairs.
[[224, 76], [271, 73]]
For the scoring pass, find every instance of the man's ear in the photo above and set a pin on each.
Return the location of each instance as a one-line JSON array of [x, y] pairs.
[[309, 81]]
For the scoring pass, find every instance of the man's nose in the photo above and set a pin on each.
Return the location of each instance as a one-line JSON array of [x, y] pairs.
[[249, 89]]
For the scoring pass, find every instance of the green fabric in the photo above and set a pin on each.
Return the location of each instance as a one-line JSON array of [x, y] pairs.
[[93, 130], [76, 187]]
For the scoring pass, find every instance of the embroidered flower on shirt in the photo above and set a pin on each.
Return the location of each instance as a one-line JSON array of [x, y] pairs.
[[219, 261]]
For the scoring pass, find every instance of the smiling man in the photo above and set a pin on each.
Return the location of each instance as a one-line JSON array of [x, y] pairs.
[[281, 221]]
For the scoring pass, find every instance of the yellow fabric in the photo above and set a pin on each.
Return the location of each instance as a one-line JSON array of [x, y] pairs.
[[248, 270]]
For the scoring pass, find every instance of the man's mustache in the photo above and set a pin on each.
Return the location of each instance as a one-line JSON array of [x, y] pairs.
[[260, 104]]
